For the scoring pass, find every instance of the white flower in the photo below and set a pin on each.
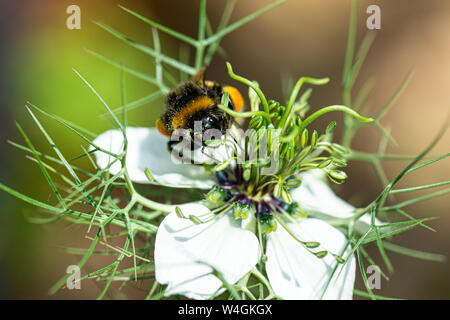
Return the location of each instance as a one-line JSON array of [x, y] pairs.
[[186, 254], [147, 148]]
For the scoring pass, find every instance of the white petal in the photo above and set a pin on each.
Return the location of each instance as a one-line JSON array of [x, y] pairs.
[[147, 148], [294, 273], [181, 246], [317, 199], [205, 155]]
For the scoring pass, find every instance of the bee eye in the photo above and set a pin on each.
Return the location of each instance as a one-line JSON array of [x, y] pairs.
[[209, 122]]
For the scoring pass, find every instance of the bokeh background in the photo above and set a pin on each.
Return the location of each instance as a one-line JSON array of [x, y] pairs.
[[299, 38]]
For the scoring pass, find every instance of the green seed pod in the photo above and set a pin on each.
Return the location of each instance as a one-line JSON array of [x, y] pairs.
[[312, 245], [321, 254], [339, 259], [179, 212], [195, 219]]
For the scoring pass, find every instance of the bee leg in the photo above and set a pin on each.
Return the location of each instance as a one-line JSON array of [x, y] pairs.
[[170, 145], [222, 177], [170, 148]]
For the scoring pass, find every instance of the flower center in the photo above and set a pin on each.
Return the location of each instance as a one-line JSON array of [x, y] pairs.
[[247, 199]]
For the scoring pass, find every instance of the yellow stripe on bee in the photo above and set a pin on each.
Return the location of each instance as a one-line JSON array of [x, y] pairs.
[[198, 104], [162, 128], [235, 96]]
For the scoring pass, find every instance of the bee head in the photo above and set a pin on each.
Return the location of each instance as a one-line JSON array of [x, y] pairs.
[[209, 124]]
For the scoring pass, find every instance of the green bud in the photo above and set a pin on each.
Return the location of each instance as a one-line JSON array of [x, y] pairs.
[[242, 210], [304, 139], [314, 138], [340, 162], [213, 143], [324, 164], [331, 127], [286, 196], [337, 176], [195, 219], [223, 165], [338, 148], [293, 183], [339, 259], [256, 122], [274, 115], [273, 105], [179, 212], [312, 245], [277, 190], [291, 152], [216, 195], [246, 174], [321, 254]]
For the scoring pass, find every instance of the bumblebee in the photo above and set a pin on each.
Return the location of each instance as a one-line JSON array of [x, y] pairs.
[[197, 101]]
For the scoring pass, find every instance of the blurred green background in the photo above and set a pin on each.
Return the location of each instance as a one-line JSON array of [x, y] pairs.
[[299, 38]]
